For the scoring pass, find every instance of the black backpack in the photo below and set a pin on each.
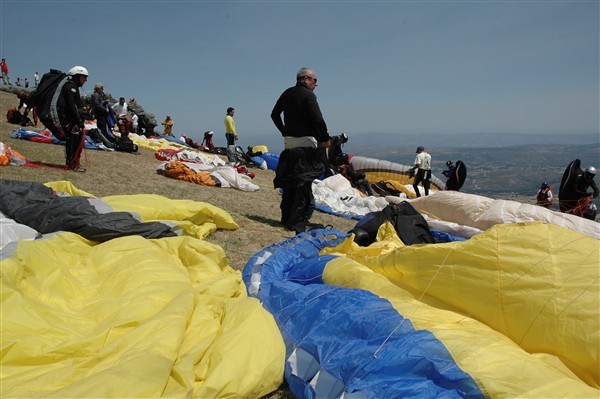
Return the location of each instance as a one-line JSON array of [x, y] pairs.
[[126, 145], [410, 225], [45, 97]]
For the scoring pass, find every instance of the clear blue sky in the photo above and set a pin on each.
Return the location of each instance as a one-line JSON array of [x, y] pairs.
[[383, 66]]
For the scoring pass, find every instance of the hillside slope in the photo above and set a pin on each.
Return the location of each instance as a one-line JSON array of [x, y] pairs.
[[112, 173]]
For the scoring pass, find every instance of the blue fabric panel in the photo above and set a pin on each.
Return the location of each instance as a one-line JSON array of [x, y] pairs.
[[441, 236], [172, 139], [352, 334], [327, 209], [272, 160]]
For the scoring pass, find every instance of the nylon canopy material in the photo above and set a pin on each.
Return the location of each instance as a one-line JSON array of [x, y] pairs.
[[512, 312], [381, 170], [483, 213], [38, 207], [134, 317]]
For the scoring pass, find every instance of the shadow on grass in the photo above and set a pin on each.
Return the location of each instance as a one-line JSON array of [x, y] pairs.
[[262, 219]]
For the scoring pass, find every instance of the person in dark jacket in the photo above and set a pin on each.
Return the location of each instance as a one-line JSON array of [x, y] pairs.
[[334, 152], [100, 107], [357, 179], [69, 102], [304, 131]]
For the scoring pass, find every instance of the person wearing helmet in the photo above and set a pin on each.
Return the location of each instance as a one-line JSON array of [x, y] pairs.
[[544, 196], [451, 168], [71, 121], [585, 180]]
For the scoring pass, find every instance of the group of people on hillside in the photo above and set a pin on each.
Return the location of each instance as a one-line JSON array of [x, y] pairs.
[[19, 82], [66, 117], [231, 135], [107, 115]]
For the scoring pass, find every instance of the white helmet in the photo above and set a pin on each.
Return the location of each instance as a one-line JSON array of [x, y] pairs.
[[591, 170], [78, 70]]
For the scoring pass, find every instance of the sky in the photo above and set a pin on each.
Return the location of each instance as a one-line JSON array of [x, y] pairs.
[[435, 67]]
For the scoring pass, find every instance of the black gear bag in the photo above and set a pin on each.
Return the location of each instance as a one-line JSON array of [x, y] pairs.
[[410, 225]]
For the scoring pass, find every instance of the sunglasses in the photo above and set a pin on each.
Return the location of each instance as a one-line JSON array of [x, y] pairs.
[[314, 79]]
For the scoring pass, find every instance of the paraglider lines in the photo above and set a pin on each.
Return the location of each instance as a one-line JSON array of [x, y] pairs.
[[419, 301]]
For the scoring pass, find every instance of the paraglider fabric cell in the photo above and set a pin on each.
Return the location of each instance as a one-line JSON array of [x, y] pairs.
[[272, 160], [336, 195], [207, 174], [509, 313], [377, 170], [477, 213], [133, 317]]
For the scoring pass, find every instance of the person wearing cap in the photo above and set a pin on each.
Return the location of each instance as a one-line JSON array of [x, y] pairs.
[[544, 196], [423, 166], [304, 131], [71, 121], [100, 108]]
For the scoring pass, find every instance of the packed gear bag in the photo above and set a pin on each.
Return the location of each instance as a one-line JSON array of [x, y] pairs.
[[410, 225], [14, 116], [384, 188], [45, 97], [126, 145]]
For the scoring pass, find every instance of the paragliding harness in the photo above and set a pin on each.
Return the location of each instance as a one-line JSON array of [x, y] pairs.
[[410, 225], [384, 188], [45, 98], [583, 207], [568, 200], [237, 155]]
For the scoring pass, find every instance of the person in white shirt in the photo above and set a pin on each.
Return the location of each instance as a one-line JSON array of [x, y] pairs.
[[133, 119], [120, 108], [423, 164]]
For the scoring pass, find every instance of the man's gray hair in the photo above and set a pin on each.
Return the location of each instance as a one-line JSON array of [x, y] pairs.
[[304, 71]]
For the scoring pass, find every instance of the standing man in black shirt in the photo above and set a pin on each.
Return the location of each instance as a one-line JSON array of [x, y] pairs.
[[69, 102], [304, 132]]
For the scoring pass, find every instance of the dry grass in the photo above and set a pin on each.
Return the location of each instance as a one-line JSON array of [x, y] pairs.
[[115, 173]]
